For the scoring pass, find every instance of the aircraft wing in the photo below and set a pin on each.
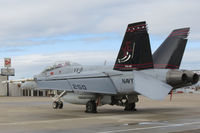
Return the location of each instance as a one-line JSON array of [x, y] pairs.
[[88, 83], [149, 86]]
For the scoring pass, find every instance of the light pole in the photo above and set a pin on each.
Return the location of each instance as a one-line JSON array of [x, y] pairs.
[[7, 83]]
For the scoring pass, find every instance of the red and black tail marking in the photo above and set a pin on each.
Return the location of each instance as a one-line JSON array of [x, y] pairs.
[[135, 51], [170, 53], [183, 33]]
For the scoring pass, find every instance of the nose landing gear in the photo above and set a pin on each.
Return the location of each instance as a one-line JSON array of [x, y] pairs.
[[57, 105]]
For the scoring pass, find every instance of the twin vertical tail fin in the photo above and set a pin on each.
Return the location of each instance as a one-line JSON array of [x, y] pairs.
[[135, 51], [170, 53]]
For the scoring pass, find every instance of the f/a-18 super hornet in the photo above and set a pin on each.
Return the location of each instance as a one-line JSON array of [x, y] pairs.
[[135, 72]]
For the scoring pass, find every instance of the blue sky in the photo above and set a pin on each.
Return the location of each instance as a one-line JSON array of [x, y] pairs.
[[79, 43], [36, 33]]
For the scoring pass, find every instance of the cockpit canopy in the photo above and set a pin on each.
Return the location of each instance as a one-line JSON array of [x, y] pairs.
[[60, 64]]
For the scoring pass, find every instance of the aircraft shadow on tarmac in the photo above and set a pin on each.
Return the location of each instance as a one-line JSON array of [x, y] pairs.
[[120, 111]]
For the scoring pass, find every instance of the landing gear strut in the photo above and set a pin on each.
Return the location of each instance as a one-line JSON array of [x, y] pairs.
[[91, 107]]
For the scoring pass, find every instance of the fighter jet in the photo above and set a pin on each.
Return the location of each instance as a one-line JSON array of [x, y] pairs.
[[136, 72]]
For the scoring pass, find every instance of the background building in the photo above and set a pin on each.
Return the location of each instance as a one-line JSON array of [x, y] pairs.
[[16, 90]]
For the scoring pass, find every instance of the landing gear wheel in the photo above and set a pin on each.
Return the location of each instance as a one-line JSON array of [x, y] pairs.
[[130, 107], [60, 104], [55, 105], [91, 107]]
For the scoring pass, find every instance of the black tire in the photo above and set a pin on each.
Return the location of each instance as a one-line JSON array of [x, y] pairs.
[[55, 105], [91, 107], [60, 104], [130, 107]]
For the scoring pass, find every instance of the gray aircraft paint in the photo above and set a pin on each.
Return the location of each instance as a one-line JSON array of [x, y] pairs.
[[110, 82]]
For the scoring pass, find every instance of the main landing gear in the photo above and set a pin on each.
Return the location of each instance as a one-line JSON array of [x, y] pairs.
[[91, 107], [130, 107], [130, 102]]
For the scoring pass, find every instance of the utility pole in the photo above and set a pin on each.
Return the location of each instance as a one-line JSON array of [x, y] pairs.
[[7, 84]]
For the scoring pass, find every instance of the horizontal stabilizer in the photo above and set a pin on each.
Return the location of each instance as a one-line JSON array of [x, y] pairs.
[[149, 86]]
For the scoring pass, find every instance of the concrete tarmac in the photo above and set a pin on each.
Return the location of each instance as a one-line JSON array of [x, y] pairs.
[[35, 114]]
